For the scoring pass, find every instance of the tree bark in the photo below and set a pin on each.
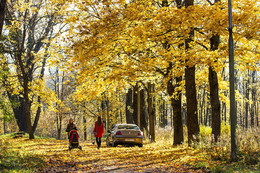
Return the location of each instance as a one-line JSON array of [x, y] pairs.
[[151, 113], [253, 100], [2, 15], [191, 93], [85, 127], [214, 96], [247, 101], [143, 120], [192, 116], [135, 105], [28, 109], [177, 111], [129, 106]]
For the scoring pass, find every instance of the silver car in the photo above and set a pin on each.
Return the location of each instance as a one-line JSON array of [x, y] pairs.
[[125, 134]]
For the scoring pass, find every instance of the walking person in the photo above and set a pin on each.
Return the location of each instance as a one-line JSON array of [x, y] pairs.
[[70, 126], [98, 131]]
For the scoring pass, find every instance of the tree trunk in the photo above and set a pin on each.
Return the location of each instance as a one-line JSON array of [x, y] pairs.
[[108, 118], [151, 113], [177, 113], [191, 93], [143, 121], [2, 15], [214, 96], [28, 109], [4, 127], [58, 130], [202, 106], [257, 114], [253, 99], [85, 127], [129, 106], [192, 116], [135, 105], [18, 107], [247, 101]]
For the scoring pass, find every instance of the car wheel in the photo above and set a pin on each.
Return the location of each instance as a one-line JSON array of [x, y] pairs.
[[70, 147], [140, 145], [80, 147], [114, 144]]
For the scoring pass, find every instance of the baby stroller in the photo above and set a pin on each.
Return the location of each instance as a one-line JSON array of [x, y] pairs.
[[74, 140]]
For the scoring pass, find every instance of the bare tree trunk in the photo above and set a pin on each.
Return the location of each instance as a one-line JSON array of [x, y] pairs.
[[135, 104], [214, 96], [129, 106], [191, 93], [27, 109], [247, 101], [177, 113], [257, 114], [192, 116], [253, 100], [85, 127], [4, 127], [202, 107], [151, 113], [143, 121], [58, 126]]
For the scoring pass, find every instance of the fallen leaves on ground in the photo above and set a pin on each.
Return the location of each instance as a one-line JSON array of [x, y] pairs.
[[45, 155]]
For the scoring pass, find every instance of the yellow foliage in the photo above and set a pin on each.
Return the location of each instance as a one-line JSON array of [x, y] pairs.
[[205, 131], [113, 45]]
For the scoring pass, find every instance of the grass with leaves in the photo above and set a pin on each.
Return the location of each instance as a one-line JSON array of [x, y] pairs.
[[45, 155]]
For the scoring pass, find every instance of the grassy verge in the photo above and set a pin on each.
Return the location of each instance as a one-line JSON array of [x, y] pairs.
[[13, 157]]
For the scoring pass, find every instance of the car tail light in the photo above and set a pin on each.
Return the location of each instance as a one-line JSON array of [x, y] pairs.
[[139, 134], [118, 133]]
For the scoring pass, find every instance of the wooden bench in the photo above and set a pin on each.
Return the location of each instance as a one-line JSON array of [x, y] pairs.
[[19, 134]]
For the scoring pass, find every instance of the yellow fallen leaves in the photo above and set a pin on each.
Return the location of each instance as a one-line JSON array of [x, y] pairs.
[[156, 157]]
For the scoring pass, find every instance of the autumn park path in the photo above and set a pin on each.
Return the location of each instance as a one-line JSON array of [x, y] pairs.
[[49, 155]]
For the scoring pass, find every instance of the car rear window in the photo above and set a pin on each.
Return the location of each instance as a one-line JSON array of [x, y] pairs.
[[132, 127]]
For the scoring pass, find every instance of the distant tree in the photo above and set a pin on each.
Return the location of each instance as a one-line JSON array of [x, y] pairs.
[[30, 30]]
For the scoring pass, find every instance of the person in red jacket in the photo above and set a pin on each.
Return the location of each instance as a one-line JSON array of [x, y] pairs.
[[98, 131]]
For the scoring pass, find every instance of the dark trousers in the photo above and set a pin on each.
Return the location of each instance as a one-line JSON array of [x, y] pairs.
[[98, 140]]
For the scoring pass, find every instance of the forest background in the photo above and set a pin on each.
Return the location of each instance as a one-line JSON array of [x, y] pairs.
[[160, 64]]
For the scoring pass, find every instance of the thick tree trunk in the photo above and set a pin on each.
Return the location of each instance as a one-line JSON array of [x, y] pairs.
[[214, 96], [191, 93], [28, 108], [177, 113], [129, 106], [19, 111], [215, 104], [192, 116], [151, 113], [143, 120]]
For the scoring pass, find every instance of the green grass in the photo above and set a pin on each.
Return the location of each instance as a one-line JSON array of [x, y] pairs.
[[12, 135], [14, 159]]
